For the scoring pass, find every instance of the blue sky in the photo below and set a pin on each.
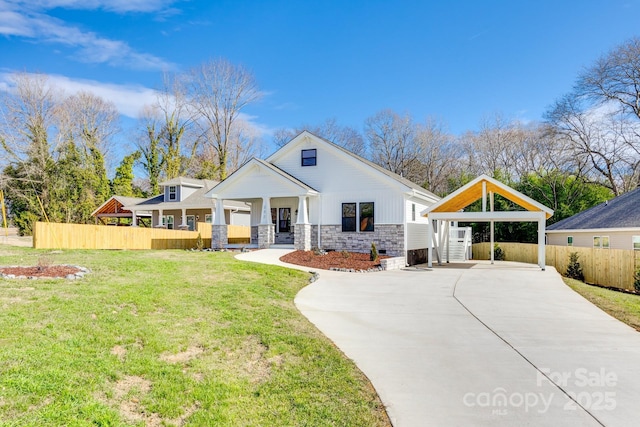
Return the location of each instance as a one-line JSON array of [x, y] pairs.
[[459, 61]]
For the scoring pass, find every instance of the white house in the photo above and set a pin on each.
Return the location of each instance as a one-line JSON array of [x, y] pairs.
[[313, 193]]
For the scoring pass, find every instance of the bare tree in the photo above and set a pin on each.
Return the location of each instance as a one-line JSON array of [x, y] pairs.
[[438, 154], [27, 119], [218, 91], [600, 139], [89, 121], [392, 143], [615, 77]]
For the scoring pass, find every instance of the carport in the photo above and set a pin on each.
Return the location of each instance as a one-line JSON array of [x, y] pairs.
[[451, 208]]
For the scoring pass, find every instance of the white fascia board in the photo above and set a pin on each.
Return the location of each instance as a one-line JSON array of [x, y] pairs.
[[596, 230], [422, 196], [500, 216]]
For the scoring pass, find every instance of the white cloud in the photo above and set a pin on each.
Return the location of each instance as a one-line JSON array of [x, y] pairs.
[[129, 99], [19, 20], [120, 6]]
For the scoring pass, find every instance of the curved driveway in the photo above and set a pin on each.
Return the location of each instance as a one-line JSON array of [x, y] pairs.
[[480, 345]]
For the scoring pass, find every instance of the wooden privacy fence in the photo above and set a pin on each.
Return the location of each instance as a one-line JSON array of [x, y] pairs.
[[81, 236], [605, 267]]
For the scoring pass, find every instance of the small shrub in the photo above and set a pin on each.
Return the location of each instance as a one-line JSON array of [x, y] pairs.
[[636, 280], [373, 255], [199, 243], [574, 269], [498, 253], [345, 254], [317, 251]]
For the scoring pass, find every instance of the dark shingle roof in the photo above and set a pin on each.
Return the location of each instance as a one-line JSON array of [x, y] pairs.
[[620, 212]]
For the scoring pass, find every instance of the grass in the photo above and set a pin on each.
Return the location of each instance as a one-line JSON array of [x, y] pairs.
[[169, 338], [624, 307]]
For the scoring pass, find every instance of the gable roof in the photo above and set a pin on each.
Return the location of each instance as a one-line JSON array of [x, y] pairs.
[[620, 212], [197, 200], [115, 205], [469, 193], [189, 182], [282, 176], [399, 179]]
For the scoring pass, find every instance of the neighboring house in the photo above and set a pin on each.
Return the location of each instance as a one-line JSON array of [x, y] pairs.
[[113, 211], [182, 204], [614, 224], [313, 193]]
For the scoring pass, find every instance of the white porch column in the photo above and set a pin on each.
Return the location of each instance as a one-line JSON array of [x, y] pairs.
[[265, 218], [184, 218], [541, 241], [134, 219], [219, 214], [160, 219], [303, 215]]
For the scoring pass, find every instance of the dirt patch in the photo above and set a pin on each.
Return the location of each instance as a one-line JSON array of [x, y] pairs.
[[183, 356], [334, 259], [128, 394], [119, 351], [40, 271]]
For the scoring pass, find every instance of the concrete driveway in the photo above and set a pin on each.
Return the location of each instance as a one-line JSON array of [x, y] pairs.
[[481, 345]]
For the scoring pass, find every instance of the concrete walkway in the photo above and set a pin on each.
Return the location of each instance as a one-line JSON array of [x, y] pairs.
[[480, 345]]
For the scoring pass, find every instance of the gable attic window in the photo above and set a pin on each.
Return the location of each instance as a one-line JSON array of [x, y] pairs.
[[309, 157], [173, 192]]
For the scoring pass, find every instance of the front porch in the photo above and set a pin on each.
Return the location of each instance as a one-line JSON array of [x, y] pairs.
[[275, 222]]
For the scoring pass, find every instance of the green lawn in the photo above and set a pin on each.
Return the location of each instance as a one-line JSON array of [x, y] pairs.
[[169, 338], [622, 306]]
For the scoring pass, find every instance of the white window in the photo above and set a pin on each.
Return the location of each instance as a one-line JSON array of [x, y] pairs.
[[413, 211], [636, 243], [167, 221], [570, 241], [173, 192], [208, 218], [601, 242]]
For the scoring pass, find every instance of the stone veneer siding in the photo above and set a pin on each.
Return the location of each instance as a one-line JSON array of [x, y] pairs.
[[265, 235], [389, 237], [254, 234], [302, 237], [219, 236]]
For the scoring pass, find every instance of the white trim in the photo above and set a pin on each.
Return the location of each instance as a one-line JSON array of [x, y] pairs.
[[503, 216], [484, 178], [595, 230]]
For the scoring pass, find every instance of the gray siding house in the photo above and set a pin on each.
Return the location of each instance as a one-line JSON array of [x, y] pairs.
[[614, 224]]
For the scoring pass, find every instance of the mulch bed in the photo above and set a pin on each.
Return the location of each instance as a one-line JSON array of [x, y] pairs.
[[334, 259], [40, 271]]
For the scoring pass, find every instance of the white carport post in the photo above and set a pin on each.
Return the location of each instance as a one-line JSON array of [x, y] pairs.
[[134, 218], [429, 242], [542, 262], [491, 226]]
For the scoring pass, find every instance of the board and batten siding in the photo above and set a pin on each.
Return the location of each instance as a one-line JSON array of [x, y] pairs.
[[343, 180], [584, 239], [416, 230]]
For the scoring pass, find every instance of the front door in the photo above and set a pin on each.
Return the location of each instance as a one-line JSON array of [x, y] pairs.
[[284, 220], [191, 222]]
